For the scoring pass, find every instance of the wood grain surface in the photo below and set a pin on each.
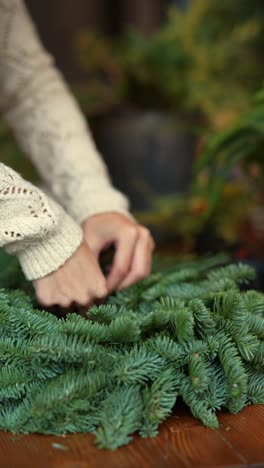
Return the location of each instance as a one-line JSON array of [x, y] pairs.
[[183, 442]]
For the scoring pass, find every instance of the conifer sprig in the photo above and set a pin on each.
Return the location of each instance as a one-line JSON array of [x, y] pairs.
[[186, 332]]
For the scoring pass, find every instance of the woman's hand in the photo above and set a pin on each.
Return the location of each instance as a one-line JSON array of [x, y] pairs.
[[80, 280], [133, 244]]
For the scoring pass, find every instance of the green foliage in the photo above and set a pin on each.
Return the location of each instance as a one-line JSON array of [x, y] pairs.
[[185, 331], [216, 200], [158, 400], [186, 64], [12, 156], [120, 416], [242, 143]]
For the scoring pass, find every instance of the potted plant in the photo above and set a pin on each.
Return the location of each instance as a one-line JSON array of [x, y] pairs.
[[225, 201], [145, 149], [241, 146]]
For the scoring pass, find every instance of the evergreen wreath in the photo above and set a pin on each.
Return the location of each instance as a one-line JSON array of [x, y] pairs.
[[186, 332]]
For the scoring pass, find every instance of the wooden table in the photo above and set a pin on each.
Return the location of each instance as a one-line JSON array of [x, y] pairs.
[[182, 442]]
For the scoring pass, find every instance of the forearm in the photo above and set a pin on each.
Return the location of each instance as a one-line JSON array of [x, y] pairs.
[[34, 227], [49, 125]]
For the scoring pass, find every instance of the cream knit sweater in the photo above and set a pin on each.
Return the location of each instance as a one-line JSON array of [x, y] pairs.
[[48, 125]]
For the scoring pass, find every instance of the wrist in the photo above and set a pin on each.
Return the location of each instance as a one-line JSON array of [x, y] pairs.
[[48, 254]]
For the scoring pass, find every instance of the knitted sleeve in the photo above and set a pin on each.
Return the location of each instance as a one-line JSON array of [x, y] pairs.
[[47, 122], [34, 227]]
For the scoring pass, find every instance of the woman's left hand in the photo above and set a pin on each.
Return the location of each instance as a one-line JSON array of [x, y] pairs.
[[133, 247]]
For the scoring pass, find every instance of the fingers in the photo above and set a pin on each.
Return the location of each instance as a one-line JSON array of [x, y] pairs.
[[81, 296], [141, 263], [125, 246], [81, 281], [78, 281], [105, 229]]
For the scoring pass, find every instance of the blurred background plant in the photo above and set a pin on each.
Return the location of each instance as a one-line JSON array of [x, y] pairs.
[[226, 197], [205, 58]]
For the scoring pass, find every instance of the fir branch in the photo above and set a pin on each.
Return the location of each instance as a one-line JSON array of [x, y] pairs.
[[239, 273], [231, 307], [121, 370], [13, 352], [203, 318], [120, 417], [64, 348], [76, 325], [198, 404], [104, 313], [167, 348], [254, 302], [158, 400], [217, 394], [138, 366], [247, 344], [183, 324], [124, 329], [256, 325], [66, 387], [255, 386], [160, 288], [199, 374], [258, 359], [161, 314], [234, 371], [15, 383]]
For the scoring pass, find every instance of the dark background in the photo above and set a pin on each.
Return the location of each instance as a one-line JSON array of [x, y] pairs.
[[58, 21]]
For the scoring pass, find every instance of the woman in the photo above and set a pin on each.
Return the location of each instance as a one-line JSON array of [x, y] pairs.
[[58, 239]]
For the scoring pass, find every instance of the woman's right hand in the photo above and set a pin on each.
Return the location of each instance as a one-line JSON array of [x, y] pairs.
[[80, 280]]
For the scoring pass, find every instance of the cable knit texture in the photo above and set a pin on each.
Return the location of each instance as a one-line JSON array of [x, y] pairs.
[[50, 128]]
